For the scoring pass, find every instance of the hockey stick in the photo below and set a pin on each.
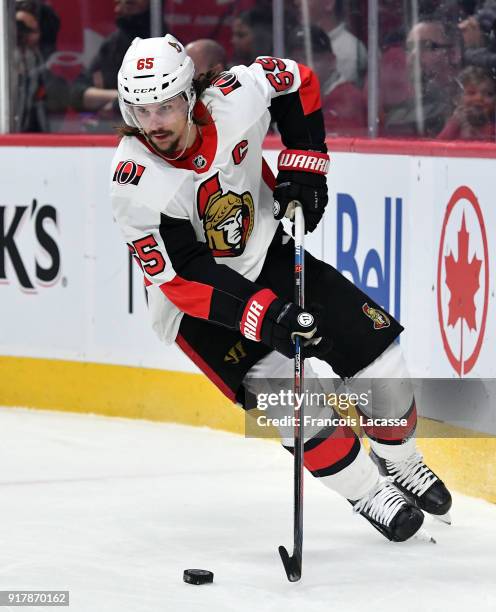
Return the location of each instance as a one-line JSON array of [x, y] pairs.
[[292, 564]]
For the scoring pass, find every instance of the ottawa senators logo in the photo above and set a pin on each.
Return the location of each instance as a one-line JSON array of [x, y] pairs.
[[226, 82], [378, 317], [176, 46], [128, 173], [227, 218]]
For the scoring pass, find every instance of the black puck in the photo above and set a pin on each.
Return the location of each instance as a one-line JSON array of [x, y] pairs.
[[198, 576]]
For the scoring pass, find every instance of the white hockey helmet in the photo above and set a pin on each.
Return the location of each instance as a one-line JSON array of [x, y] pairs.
[[154, 70]]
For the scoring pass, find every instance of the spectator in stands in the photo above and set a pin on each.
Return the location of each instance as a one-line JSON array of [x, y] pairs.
[[342, 102], [434, 57], [49, 25], [30, 92], [394, 84], [350, 52], [39, 94], [207, 56], [96, 88], [451, 10], [474, 116], [251, 36], [479, 37], [391, 24], [56, 94]]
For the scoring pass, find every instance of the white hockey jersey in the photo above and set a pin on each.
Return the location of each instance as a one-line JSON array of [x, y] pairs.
[[200, 227]]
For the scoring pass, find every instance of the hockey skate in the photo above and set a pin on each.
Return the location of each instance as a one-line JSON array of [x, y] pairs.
[[418, 483], [389, 512]]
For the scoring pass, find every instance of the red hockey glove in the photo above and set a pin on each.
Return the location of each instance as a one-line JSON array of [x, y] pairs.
[[302, 177], [276, 322]]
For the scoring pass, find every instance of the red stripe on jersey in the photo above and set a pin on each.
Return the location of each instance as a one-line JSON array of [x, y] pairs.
[[331, 450], [268, 176], [205, 368], [190, 297], [309, 90], [392, 433]]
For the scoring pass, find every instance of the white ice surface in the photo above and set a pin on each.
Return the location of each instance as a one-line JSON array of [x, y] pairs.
[[113, 511]]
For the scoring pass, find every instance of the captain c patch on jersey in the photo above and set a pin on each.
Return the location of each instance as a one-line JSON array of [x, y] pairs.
[[128, 172]]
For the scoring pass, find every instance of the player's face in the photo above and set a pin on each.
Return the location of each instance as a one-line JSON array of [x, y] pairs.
[[164, 123]]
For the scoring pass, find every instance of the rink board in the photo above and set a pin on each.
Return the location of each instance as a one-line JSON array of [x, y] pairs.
[[397, 223]]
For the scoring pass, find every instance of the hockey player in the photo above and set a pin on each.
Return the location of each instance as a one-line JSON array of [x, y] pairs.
[[201, 212]]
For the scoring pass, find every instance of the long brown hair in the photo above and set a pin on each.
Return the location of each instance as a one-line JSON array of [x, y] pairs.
[[200, 84]]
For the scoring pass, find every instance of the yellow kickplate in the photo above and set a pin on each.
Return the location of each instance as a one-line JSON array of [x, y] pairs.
[[464, 460]]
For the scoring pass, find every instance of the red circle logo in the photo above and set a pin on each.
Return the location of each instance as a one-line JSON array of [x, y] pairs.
[[463, 280]]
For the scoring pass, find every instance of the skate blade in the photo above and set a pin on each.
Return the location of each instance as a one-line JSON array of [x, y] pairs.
[[424, 536], [443, 518]]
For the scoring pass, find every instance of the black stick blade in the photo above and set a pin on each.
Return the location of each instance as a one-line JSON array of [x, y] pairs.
[[292, 565]]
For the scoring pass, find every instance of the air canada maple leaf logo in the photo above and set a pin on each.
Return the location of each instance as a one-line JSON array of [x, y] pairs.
[[463, 280]]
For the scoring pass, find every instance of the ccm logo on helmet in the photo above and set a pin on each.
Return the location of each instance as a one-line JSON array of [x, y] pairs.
[[145, 90], [128, 173]]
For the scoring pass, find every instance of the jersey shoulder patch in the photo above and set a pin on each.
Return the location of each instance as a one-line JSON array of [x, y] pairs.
[[128, 172], [226, 82], [144, 180]]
